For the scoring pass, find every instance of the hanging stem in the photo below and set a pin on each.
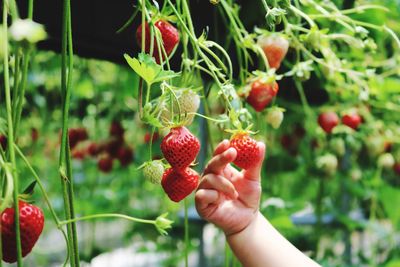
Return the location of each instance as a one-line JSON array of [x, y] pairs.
[[65, 165], [11, 134]]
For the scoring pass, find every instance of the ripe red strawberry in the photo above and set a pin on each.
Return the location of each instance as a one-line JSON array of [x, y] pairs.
[[3, 142], [180, 147], [179, 184], [261, 94], [31, 226], [105, 164], [169, 35], [396, 168], [116, 129], [275, 48], [328, 121], [351, 120], [125, 156], [247, 150]]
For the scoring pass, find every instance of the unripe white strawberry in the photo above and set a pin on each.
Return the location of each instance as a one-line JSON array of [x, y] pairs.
[[355, 174], [386, 161], [327, 163], [153, 171], [189, 102], [275, 117], [338, 147]]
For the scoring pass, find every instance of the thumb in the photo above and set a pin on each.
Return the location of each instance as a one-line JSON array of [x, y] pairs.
[[254, 172]]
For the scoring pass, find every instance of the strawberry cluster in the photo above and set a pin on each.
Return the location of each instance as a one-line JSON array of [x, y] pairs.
[[180, 148], [329, 120], [105, 152]]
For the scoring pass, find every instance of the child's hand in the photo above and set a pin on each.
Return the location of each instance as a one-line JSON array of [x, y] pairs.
[[226, 197]]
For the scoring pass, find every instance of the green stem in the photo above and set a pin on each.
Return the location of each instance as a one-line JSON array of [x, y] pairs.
[[187, 242], [65, 168], [107, 215], [40, 184], [227, 254], [30, 9], [11, 134]]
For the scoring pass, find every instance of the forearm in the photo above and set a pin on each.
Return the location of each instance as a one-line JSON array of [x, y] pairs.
[[261, 245]]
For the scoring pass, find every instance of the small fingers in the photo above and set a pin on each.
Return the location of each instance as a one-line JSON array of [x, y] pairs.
[[205, 197], [254, 172], [220, 184], [218, 163], [221, 147]]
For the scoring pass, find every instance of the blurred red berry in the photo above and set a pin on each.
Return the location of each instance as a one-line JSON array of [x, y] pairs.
[[113, 145], [82, 134], [105, 164], [34, 134], [147, 137], [3, 141], [93, 149], [73, 137], [396, 168], [125, 156], [352, 120], [78, 154], [116, 129], [328, 121]]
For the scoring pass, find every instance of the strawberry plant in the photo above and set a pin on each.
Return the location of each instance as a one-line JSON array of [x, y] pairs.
[[316, 81]]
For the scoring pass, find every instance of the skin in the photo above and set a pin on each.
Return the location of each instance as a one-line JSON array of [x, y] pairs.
[[230, 199]]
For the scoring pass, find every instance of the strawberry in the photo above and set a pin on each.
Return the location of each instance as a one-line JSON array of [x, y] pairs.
[[3, 142], [261, 94], [82, 133], [179, 184], [169, 36], [113, 145], [352, 120], [31, 226], [34, 134], [153, 171], [125, 156], [78, 154], [116, 129], [275, 117], [73, 137], [396, 168], [93, 149], [247, 150], [275, 48], [328, 121], [180, 147], [189, 102], [105, 164]]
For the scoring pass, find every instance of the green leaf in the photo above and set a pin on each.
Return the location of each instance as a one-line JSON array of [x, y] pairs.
[[148, 69], [143, 68], [390, 198]]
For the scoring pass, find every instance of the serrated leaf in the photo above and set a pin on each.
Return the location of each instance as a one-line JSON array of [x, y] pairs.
[[142, 68]]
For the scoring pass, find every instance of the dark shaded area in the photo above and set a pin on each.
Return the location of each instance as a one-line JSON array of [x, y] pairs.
[[95, 25]]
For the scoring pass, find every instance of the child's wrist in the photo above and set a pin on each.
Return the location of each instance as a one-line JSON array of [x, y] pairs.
[[231, 233]]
